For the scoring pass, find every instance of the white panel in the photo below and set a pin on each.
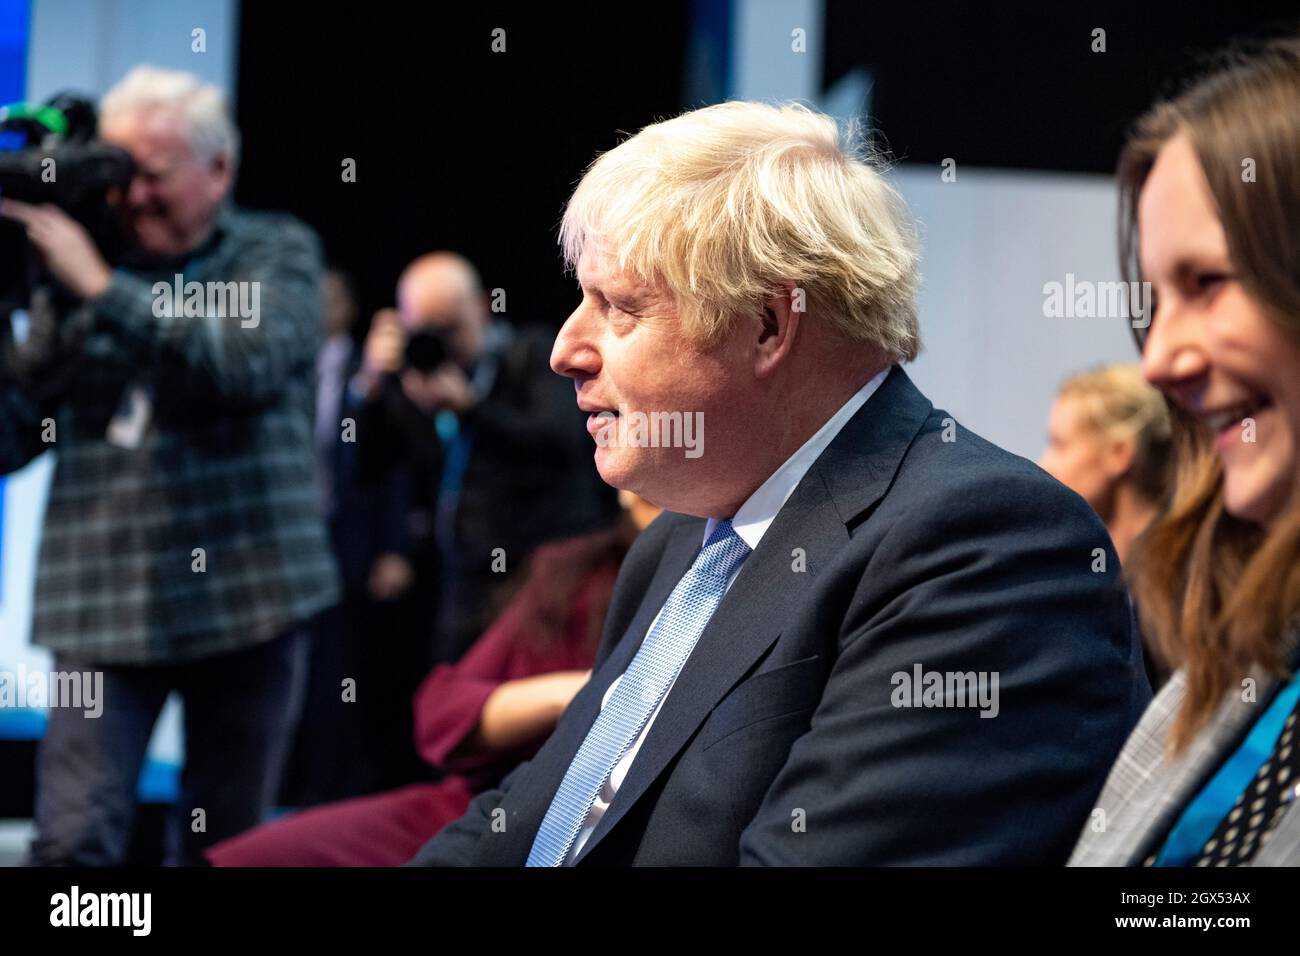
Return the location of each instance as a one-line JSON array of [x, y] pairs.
[[991, 240], [764, 66], [88, 45], [24, 503]]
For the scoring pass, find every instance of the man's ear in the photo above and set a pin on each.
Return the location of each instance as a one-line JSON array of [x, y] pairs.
[[222, 170], [778, 325]]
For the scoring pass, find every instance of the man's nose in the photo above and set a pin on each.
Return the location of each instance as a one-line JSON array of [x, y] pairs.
[[573, 354]]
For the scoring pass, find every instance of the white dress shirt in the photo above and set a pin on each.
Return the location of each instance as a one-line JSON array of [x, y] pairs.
[[751, 522]]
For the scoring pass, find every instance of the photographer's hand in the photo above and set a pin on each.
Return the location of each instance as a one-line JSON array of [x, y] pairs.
[[455, 388], [382, 353], [64, 244], [390, 577], [444, 388]]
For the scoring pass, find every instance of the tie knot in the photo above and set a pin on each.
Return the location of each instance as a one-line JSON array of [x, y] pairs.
[[723, 552]]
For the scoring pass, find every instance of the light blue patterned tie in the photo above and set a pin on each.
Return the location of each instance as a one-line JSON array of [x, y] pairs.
[[644, 683]]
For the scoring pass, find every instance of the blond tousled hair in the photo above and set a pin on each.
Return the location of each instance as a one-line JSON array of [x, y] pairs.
[[1117, 401], [723, 205]]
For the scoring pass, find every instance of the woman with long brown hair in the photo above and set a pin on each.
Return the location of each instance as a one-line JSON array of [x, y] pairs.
[[1210, 217]]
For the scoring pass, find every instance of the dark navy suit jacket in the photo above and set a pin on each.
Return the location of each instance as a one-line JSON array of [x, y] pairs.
[[784, 739]]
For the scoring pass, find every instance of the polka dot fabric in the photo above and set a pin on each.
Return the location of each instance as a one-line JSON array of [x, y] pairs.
[[1274, 790]]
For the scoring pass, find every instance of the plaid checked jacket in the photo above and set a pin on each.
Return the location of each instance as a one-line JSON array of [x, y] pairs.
[[225, 464], [1146, 791]]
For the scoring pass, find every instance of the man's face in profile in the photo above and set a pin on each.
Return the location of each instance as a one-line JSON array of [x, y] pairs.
[[170, 205], [625, 350]]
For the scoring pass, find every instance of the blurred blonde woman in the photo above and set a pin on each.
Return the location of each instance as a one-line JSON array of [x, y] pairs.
[[1109, 440], [1210, 213]]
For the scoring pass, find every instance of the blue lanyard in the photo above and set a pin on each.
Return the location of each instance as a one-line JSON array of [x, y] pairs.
[[1216, 800], [459, 441]]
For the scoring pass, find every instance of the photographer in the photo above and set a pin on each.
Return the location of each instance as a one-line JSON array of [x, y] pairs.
[[516, 468], [183, 547]]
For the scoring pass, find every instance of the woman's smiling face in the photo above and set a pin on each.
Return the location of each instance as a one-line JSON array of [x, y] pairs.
[[1211, 347]]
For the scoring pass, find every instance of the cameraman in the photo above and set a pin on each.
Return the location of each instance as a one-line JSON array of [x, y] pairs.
[[516, 468], [183, 547]]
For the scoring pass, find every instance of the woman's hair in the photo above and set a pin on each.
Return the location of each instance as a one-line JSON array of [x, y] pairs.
[[1219, 594], [1116, 401], [724, 204]]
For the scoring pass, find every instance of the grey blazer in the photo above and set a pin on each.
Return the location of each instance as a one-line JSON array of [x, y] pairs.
[[1146, 791]]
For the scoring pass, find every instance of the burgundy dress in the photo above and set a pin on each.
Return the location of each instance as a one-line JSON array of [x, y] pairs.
[[386, 829]]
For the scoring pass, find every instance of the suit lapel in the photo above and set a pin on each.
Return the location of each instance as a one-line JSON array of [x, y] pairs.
[[860, 464], [745, 625], [863, 459], [852, 474], [528, 802]]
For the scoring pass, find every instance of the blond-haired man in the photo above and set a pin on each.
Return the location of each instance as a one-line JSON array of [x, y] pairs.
[[861, 634]]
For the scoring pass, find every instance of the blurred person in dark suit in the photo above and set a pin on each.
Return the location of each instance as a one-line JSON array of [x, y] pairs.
[[515, 471], [183, 547], [377, 636], [338, 360]]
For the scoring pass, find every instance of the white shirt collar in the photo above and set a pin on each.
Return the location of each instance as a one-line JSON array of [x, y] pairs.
[[754, 517]]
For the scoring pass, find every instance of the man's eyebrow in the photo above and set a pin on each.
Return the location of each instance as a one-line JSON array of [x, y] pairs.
[[635, 299]]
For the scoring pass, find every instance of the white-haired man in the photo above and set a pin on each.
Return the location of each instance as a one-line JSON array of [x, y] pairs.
[[183, 547], [862, 635]]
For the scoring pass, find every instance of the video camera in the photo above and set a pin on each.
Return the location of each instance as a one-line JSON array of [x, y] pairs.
[[49, 154]]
